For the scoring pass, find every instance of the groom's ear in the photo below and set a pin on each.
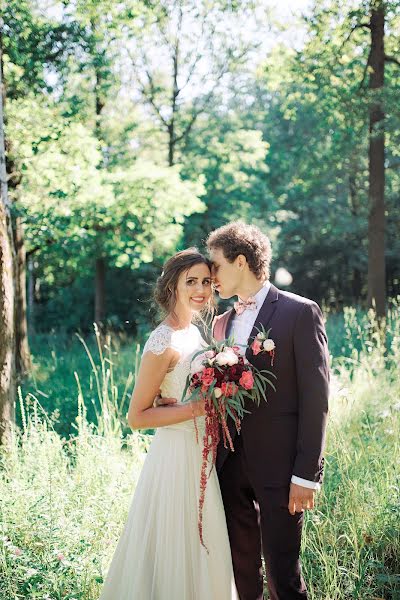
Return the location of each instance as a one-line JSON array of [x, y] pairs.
[[241, 261]]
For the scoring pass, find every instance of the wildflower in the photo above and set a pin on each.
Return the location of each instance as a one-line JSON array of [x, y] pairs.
[[31, 572]]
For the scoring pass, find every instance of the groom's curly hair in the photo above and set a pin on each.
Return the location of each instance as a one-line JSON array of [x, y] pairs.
[[240, 238]]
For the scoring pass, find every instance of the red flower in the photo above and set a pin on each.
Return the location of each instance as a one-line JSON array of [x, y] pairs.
[[229, 388], [247, 380], [207, 376], [234, 373]]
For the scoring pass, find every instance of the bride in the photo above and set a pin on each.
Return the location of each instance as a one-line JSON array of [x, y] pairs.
[[159, 555]]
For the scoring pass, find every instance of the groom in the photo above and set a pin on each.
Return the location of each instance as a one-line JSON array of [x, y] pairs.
[[277, 466]]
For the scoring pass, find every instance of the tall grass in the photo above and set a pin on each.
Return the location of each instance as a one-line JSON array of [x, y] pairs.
[[59, 360], [351, 547], [64, 499]]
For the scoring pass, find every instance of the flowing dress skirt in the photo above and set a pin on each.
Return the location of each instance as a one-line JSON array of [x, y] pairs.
[[159, 555]]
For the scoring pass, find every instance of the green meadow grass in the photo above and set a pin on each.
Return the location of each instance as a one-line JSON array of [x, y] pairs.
[[67, 480]]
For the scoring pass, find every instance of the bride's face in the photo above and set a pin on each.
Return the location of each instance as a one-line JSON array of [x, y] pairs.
[[194, 288]]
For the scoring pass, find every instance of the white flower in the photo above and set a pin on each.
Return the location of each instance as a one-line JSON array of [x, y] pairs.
[[221, 359], [217, 392], [197, 364], [260, 336], [227, 357], [209, 354], [269, 345], [31, 572]]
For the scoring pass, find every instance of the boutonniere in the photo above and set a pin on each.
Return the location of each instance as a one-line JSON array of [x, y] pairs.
[[263, 343]]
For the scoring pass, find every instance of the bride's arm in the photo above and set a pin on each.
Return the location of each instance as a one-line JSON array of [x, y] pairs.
[[142, 414]]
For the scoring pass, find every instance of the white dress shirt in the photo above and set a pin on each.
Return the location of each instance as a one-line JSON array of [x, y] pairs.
[[240, 329]]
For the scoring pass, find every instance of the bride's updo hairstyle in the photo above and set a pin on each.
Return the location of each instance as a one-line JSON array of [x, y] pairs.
[[165, 290]]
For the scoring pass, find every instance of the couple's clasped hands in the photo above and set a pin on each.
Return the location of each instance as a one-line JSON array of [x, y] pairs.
[[198, 408], [300, 498]]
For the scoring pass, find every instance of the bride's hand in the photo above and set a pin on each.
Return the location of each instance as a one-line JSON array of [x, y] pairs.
[[198, 408], [160, 401]]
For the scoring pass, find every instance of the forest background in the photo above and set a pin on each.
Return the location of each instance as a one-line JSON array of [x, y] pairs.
[[128, 120], [131, 130]]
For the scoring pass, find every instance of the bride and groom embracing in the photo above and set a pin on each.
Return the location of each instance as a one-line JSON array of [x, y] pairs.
[[255, 499]]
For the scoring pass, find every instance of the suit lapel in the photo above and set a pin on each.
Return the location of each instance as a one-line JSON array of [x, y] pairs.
[[264, 316], [221, 325], [227, 323]]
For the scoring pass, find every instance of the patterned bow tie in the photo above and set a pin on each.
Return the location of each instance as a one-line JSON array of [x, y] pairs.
[[243, 305]]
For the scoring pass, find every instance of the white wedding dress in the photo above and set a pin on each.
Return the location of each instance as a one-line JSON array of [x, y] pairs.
[[159, 555]]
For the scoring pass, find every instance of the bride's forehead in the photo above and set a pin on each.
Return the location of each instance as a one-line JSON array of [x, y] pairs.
[[199, 270]]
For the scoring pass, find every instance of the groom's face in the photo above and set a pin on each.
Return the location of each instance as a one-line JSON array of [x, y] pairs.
[[226, 275]]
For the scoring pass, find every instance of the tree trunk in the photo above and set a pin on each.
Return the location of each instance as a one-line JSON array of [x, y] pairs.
[[31, 296], [171, 144], [376, 221], [356, 284], [356, 279], [100, 275], [7, 287], [23, 357], [100, 296], [7, 330]]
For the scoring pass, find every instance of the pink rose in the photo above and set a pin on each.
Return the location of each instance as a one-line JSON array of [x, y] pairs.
[[229, 389], [247, 380], [256, 346], [207, 377]]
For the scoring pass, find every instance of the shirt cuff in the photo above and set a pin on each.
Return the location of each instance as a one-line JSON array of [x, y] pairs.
[[312, 485]]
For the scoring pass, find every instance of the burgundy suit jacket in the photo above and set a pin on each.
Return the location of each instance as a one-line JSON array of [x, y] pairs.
[[285, 436]]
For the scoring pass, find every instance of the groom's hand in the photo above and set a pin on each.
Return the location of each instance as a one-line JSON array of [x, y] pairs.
[[300, 498], [160, 401]]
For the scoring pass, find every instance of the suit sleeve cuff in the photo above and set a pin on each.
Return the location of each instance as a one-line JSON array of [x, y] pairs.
[[313, 485]]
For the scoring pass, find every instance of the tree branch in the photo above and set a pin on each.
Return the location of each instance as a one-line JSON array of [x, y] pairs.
[[150, 97], [392, 59], [365, 69], [365, 25], [47, 242]]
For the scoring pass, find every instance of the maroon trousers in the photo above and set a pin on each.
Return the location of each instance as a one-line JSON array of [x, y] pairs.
[[258, 521]]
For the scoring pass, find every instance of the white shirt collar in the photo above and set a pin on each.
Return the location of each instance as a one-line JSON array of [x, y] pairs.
[[262, 294]]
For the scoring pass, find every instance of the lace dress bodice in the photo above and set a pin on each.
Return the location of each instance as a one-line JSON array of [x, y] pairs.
[[185, 341]]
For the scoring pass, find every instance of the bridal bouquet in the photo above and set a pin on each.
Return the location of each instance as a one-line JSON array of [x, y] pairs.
[[224, 379]]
